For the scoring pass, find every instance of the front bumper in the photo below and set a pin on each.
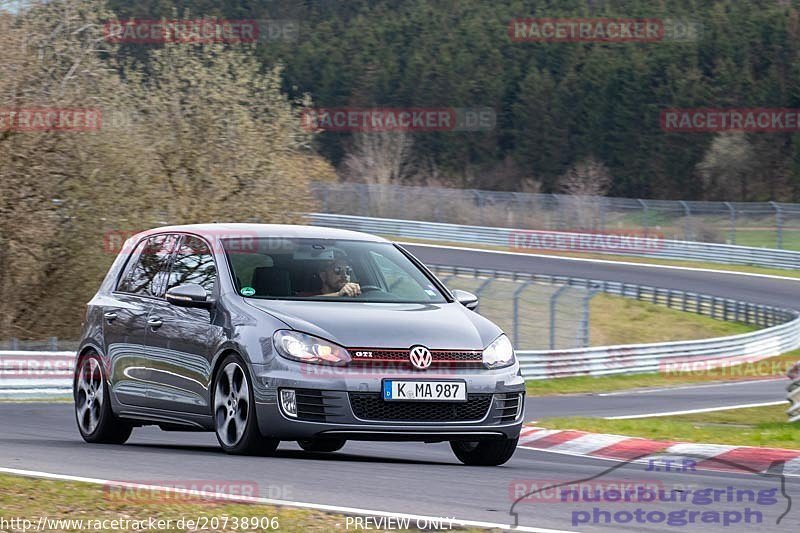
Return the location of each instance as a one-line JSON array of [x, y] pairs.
[[347, 403]]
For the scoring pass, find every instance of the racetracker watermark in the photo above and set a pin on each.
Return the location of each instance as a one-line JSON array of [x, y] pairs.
[[739, 368], [375, 120], [197, 31], [620, 30], [36, 366], [563, 491], [50, 119], [622, 241], [706, 120], [191, 490], [237, 242]]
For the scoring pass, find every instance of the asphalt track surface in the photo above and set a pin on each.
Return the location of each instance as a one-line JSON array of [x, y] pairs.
[[426, 479]]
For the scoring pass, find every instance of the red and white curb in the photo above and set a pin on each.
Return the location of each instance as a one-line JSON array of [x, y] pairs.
[[747, 459]]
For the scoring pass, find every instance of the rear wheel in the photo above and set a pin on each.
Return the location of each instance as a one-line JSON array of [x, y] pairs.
[[322, 444], [484, 453], [96, 422], [234, 412]]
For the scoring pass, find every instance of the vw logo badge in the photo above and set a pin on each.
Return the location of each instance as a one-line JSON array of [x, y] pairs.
[[420, 357]]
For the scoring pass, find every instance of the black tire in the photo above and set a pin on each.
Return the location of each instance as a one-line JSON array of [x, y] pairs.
[[326, 444], [235, 419], [97, 423], [484, 453]]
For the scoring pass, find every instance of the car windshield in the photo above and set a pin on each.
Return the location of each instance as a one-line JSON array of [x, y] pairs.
[[331, 270]]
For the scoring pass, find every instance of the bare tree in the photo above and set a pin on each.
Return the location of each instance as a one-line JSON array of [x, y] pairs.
[[727, 167], [584, 183], [382, 159], [207, 136]]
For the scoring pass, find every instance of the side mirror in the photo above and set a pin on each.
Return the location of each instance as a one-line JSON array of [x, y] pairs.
[[467, 299], [188, 295]]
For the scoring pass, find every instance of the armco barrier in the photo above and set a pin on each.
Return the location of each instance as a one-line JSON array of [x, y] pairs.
[[530, 240], [781, 333], [36, 373], [28, 373], [707, 356]]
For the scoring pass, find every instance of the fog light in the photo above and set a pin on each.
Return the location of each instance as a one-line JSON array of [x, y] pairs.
[[289, 402]]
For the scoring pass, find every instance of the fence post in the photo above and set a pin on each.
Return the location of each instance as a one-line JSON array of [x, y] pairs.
[[584, 329], [14, 343], [553, 303], [732, 230], [480, 289], [645, 216], [54, 344], [779, 224], [517, 294], [687, 224]]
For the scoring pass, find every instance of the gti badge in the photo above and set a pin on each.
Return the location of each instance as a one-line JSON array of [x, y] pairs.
[[420, 357]]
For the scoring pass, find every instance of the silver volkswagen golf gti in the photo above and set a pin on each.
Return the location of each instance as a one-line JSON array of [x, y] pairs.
[[263, 333]]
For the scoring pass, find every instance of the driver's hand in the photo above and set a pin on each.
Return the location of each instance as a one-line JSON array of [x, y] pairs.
[[350, 289]]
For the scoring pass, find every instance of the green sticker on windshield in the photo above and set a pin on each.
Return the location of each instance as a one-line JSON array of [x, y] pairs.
[[247, 291]]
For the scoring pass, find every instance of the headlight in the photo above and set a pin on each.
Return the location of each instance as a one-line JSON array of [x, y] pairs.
[[499, 354], [308, 349]]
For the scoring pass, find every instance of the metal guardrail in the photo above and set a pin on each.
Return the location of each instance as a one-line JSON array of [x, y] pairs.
[[532, 240], [36, 372], [768, 224], [781, 333], [716, 307], [707, 356]]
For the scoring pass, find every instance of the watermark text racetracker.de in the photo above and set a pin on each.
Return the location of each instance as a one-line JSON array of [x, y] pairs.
[[200, 31], [606, 30], [377, 120], [752, 120], [621, 242], [151, 523], [50, 119]]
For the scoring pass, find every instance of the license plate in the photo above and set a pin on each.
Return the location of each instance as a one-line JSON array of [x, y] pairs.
[[429, 391]]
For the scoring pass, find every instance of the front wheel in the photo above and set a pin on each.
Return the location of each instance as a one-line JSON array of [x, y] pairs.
[[234, 412], [484, 453], [96, 422]]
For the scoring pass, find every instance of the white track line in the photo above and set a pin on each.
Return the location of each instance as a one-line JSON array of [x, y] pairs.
[[692, 411], [684, 387], [605, 261], [270, 501]]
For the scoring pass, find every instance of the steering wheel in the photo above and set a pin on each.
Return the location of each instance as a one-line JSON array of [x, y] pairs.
[[370, 288]]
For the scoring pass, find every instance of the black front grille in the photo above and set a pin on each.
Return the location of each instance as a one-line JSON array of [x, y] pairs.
[[507, 406], [371, 406], [315, 405]]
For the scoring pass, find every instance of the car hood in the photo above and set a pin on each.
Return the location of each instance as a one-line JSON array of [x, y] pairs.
[[448, 326]]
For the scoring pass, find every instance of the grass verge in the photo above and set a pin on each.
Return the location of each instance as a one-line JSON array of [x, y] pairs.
[[616, 320], [764, 369], [755, 426], [31, 499]]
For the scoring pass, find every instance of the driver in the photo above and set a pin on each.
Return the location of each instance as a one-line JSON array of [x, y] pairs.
[[335, 279]]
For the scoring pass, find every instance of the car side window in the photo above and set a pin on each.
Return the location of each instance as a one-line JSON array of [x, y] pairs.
[[193, 263], [145, 275]]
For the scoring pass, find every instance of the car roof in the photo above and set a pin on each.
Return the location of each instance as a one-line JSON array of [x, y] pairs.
[[239, 230]]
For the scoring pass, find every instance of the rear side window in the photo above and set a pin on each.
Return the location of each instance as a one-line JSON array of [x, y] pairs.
[[193, 264], [145, 273]]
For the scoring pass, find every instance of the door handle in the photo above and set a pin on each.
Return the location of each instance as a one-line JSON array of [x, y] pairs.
[[155, 322], [110, 316]]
